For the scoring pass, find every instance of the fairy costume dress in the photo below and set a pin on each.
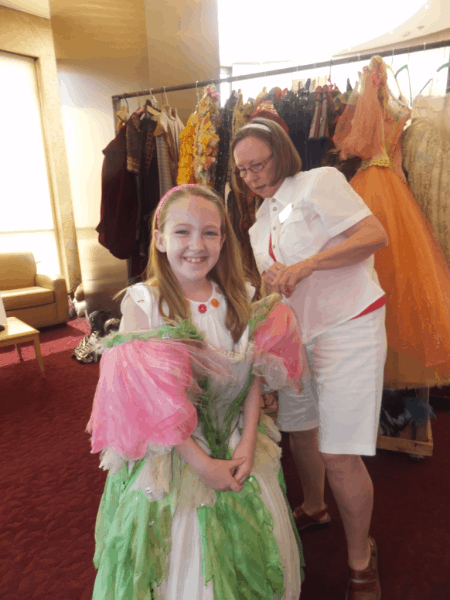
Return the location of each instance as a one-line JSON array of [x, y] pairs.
[[411, 269], [161, 531]]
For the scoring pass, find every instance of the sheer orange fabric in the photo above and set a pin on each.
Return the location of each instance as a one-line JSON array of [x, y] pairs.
[[411, 269]]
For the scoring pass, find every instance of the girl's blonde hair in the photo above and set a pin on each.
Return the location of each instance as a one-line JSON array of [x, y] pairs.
[[228, 273]]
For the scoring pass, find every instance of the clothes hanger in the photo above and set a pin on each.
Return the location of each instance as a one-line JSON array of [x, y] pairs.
[[198, 95], [332, 87], [432, 78], [166, 99], [305, 89], [152, 100], [409, 81], [447, 64], [150, 109], [401, 99], [123, 114]]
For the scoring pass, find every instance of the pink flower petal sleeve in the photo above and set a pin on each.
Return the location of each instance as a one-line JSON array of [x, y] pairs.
[[281, 358], [141, 398]]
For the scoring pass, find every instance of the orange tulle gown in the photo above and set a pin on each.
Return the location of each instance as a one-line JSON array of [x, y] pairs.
[[411, 269]]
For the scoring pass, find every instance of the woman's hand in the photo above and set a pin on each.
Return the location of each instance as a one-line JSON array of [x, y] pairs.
[[270, 276], [246, 451], [219, 474], [289, 277]]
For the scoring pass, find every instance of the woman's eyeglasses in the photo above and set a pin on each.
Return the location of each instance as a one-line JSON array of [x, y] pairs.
[[256, 168]]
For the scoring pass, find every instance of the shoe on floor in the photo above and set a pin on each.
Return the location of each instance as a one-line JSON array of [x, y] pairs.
[[365, 584], [306, 522]]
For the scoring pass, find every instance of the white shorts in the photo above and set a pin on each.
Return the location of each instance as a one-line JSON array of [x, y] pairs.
[[343, 393]]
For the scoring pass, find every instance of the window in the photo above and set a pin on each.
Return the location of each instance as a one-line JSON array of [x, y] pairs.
[[26, 222]]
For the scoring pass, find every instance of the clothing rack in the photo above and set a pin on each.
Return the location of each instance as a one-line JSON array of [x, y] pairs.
[[417, 441], [316, 65]]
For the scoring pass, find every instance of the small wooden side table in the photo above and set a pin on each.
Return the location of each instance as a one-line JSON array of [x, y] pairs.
[[17, 332]]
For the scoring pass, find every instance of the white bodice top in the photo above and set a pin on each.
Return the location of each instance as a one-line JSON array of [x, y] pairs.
[[140, 311]]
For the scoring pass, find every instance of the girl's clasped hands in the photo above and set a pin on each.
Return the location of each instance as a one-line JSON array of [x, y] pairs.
[[230, 475]]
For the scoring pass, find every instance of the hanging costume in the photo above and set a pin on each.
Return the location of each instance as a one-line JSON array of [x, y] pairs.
[[411, 269], [130, 193], [426, 158], [185, 163], [162, 532], [167, 136]]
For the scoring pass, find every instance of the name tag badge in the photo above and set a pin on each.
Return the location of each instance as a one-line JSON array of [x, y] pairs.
[[284, 214]]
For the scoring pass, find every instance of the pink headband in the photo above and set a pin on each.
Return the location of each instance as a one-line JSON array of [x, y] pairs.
[[169, 193]]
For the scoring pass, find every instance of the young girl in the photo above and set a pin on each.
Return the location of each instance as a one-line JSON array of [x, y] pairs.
[[194, 506]]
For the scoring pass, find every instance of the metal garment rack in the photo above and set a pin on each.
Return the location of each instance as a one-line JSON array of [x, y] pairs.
[[315, 65]]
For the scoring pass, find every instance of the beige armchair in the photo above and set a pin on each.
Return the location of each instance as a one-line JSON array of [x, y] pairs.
[[37, 300]]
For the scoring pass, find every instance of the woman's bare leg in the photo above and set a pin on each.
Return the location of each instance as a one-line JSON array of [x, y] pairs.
[[352, 489], [311, 469]]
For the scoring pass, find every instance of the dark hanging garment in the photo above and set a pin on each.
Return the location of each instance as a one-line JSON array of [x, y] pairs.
[[145, 164], [130, 193], [317, 145], [147, 185], [223, 152], [119, 203], [314, 131], [298, 116]]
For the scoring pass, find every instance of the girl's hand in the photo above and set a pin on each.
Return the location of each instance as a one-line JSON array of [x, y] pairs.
[[289, 277], [219, 474], [243, 471], [270, 403]]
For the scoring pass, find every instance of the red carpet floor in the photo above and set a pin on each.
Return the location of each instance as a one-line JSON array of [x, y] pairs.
[[51, 486]]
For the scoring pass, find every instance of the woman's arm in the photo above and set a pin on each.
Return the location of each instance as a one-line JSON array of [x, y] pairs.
[[246, 446], [363, 240], [217, 473]]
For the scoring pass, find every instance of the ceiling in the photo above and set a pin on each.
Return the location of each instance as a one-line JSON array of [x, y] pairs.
[[430, 24], [95, 29], [91, 28]]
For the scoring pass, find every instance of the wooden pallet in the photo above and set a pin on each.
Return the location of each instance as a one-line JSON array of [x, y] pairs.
[[414, 439]]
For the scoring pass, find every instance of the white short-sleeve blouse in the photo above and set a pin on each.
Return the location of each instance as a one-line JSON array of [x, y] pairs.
[[307, 215]]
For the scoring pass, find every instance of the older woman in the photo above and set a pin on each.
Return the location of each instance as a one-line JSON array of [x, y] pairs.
[[314, 240]]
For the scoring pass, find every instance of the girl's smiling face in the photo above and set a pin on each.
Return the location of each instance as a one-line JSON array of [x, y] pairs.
[[192, 240]]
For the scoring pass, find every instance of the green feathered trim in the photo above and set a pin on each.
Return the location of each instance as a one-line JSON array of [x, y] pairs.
[[215, 434], [237, 535], [133, 539], [185, 331]]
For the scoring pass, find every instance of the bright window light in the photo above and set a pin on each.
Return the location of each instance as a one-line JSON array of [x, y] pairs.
[[284, 31], [26, 222]]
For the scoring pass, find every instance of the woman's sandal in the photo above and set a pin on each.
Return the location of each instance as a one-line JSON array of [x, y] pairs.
[[306, 522], [365, 584]]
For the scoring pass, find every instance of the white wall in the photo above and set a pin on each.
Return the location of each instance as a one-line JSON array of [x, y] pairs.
[[89, 127]]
